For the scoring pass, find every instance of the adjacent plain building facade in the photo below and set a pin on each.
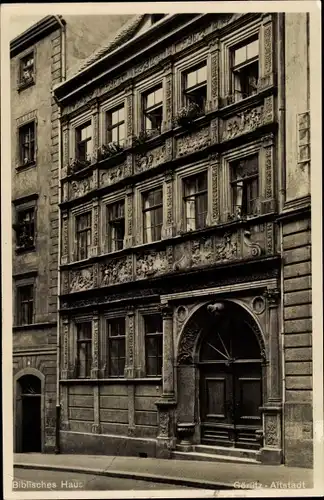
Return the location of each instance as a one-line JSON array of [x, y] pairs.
[[185, 273], [40, 58]]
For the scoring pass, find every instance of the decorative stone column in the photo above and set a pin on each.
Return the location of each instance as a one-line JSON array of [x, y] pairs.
[[65, 237], [168, 86], [95, 228], [168, 192], [214, 167], [268, 203], [95, 345], [129, 115], [95, 131], [267, 53], [65, 348], [129, 217], [65, 152], [96, 427], [166, 404], [65, 424], [214, 74], [130, 334], [272, 442]]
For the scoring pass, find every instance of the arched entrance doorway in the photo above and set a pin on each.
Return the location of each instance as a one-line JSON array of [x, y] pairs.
[[29, 424], [230, 373]]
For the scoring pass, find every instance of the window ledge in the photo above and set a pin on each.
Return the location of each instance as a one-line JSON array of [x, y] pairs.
[[26, 166], [24, 85], [30, 248], [156, 380], [31, 326]]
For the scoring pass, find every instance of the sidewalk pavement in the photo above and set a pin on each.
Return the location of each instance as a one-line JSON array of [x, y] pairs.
[[195, 474]]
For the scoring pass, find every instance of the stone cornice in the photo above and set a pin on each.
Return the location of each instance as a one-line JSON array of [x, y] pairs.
[[35, 33]]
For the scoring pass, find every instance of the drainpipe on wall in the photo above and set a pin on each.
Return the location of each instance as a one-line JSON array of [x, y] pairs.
[[58, 348], [281, 187]]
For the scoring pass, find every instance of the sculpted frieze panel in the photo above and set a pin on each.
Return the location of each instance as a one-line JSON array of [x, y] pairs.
[[114, 174], [152, 264], [202, 251], [226, 247], [150, 160], [80, 187], [81, 280], [193, 142], [117, 271], [247, 121]]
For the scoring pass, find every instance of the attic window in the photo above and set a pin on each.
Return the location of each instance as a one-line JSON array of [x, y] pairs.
[[27, 70]]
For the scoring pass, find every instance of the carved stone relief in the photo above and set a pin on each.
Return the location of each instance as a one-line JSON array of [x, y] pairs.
[[65, 363], [151, 160], [117, 271], [65, 236], [164, 422], [81, 280], [95, 343], [215, 74], [202, 251], [187, 343], [193, 142], [65, 134], [215, 189], [254, 249], [114, 174], [227, 249], [268, 171], [131, 333], [244, 122], [80, 187], [182, 257], [129, 102], [151, 264], [271, 431], [168, 101], [270, 238]]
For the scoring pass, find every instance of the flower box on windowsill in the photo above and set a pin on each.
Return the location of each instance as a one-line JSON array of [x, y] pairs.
[[140, 141], [77, 165], [187, 115], [110, 150], [27, 164], [25, 83]]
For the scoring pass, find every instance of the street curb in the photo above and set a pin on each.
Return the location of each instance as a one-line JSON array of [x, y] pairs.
[[193, 483]]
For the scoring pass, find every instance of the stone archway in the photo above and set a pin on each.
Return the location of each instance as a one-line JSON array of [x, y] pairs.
[[29, 426], [240, 374]]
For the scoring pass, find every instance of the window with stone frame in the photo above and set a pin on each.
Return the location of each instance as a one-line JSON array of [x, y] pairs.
[[27, 144], [116, 125], [153, 328], [195, 201], [25, 229], [116, 341], [245, 68], [84, 347], [116, 225], [83, 235], [194, 84], [152, 105], [25, 304], [27, 69], [245, 186], [152, 214], [83, 142]]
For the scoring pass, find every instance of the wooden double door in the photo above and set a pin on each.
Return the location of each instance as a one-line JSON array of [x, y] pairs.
[[230, 385]]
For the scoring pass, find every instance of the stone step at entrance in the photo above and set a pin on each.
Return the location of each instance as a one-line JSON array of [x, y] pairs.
[[217, 454]]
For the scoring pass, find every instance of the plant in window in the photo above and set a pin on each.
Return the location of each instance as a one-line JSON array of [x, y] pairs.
[[76, 164], [187, 114], [109, 150], [25, 229], [27, 69], [141, 139]]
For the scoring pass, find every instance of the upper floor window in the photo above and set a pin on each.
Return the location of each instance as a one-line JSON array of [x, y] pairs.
[[153, 344], [83, 235], [152, 214], [116, 346], [27, 144], [195, 86], [27, 69], [83, 141], [25, 304], [245, 69], [116, 125], [83, 359], [116, 225], [153, 109], [245, 186], [195, 201], [25, 228]]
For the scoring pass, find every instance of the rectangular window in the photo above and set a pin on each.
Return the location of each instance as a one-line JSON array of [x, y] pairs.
[[25, 304], [116, 347], [83, 235], [25, 228], [195, 201], [116, 125], [195, 86], [245, 186], [152, 215], [83, 139], [27, 144], [153, 109], [116, 226], [84, 338], [27, 70], [245, 69], [153, 344]]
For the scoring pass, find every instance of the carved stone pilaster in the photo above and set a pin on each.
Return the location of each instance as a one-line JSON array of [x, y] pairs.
[[214, 69], [272, 296], [129, 218], [166, 433], [168, 149], [130, 339], [214, 161], [95, 345], [65, 238], [131, 431], [129, 116], [268, 153], [168, 85], [96, 428], [65, 141], [267, 75], [95, 228], [168, 227], [65, 347], [168, 354], [95, 131], [65, 425], [271, 451]]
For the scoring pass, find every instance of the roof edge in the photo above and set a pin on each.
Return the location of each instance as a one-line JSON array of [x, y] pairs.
[[36, 32]]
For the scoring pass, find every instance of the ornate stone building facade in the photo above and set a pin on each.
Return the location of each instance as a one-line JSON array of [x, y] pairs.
[[40, 58], [185, 241]]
